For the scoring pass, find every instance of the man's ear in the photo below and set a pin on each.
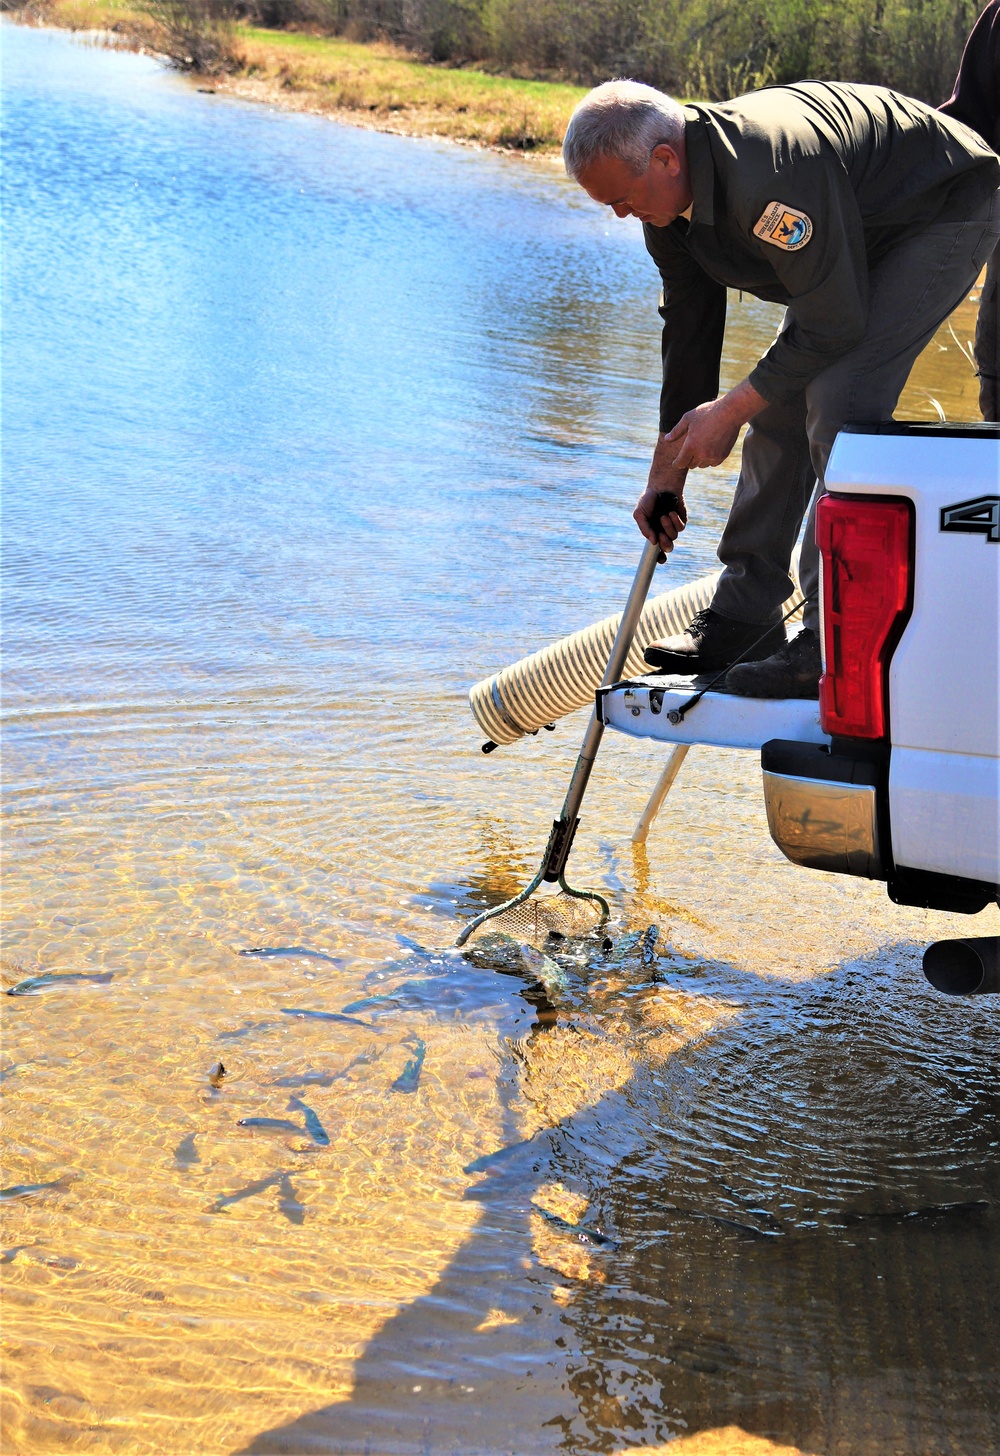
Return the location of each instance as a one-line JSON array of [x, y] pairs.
[[667, 157]]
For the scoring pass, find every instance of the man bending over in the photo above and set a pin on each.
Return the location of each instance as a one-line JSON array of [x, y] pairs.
[[869, 216]]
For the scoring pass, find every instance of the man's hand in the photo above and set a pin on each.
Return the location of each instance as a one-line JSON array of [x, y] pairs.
[[662, 476], [706, 435]]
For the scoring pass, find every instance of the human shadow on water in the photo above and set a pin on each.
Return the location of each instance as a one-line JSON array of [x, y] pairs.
[[784, 1219]]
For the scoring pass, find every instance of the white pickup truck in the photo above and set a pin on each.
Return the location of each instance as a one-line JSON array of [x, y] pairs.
[[895, 773]]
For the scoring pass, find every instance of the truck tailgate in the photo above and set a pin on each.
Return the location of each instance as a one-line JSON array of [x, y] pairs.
[[640, 707]]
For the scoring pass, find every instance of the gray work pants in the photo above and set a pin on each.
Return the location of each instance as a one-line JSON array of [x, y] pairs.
[[988, 341], [786, 448]]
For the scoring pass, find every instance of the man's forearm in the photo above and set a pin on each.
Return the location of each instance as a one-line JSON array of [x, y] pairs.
[[706, 435], [663, 476], [720, 423], [742, 402], [663, 473]]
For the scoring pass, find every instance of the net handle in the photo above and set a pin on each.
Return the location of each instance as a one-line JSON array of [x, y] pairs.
[[553, 866]]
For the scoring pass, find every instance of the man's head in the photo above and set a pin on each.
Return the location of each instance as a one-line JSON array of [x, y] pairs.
[[625, 147]]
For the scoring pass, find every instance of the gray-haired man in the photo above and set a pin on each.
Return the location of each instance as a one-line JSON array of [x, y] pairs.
[[869, 215]]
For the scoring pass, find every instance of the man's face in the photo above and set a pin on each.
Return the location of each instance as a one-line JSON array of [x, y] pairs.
[[659, 195]]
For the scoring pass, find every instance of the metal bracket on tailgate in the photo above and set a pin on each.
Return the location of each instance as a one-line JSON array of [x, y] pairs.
[[641, 708]]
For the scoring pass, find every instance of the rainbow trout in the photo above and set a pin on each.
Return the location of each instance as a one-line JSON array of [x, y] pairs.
[[56, 981], [28, 1190], [272, 952]]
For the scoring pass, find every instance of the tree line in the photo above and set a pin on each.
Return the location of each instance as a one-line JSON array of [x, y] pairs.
[[692, 48]]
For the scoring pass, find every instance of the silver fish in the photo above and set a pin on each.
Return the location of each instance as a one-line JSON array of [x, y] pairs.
[[308, 1079], [271, 952], [637, 943], [28, 1190], [522, 958], [922, 1214], [306, 1015], [271, 1124], [247, 1030], [579, 1232], [55, 981], [410, 992]]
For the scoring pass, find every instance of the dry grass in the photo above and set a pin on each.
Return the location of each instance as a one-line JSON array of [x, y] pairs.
[[381, 85], [115, 17], [374, 85]]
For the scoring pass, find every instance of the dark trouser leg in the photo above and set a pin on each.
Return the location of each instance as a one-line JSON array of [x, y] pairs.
[[988, 341], [772, 494]]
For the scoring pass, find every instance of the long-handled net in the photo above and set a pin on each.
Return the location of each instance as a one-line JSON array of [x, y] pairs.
[[569, 912], [533, 917]]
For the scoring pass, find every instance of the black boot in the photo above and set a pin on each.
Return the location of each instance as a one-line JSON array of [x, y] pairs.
[[711, 643], [793, 672]]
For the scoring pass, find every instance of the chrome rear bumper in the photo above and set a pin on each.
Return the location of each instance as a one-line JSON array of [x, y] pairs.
[[822, 810]]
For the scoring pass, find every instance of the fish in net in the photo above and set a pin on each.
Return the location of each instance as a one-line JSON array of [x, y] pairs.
[[563, 915]]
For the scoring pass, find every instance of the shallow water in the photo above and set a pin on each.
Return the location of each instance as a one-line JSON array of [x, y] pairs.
[[306, 429]]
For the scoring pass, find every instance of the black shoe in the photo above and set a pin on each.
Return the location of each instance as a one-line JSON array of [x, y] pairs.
[[793, 671], [712, 642]]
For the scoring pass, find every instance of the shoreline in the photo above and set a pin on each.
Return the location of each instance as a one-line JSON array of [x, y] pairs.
[[260, 92], [373, 86]]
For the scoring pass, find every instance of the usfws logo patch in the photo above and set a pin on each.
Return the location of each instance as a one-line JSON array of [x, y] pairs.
[[784, 227]]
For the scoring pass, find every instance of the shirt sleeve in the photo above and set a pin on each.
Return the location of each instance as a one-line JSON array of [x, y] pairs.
[[825, 279], [693, 309]]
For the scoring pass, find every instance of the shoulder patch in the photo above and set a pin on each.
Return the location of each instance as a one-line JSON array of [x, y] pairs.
[[783, 226]]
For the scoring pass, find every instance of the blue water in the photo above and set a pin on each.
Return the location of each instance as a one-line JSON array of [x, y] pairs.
[[306, 429], [390, 393]]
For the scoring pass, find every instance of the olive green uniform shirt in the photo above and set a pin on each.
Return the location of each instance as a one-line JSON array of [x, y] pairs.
[[831, 176]]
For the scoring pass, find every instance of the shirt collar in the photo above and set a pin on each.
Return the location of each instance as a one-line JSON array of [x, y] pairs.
[[701, 169]]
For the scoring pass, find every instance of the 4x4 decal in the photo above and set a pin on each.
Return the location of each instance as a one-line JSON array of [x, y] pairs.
[[981, 516]]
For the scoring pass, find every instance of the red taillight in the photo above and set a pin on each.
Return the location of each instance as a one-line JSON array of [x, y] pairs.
[[866, 551]]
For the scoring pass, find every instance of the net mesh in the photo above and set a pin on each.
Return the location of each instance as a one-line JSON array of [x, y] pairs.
[[541, 915]]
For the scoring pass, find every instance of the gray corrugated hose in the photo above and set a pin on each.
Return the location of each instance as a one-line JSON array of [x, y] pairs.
[[548, 684]]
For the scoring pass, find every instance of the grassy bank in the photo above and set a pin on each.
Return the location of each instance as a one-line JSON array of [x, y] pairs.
[[379, 84], [376, 84]]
